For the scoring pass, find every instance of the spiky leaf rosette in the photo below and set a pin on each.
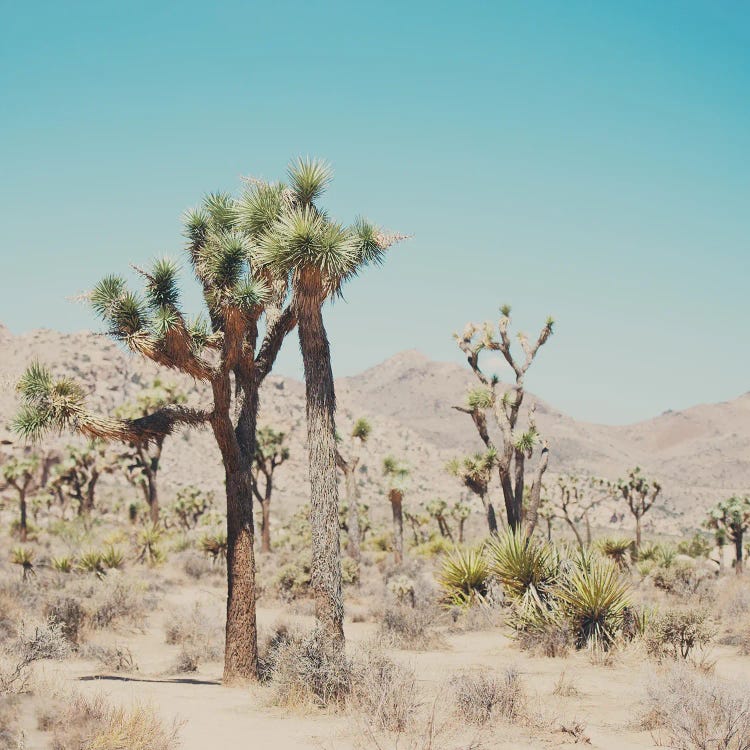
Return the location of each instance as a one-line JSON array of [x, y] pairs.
[[595, 598], [309, 178], [528, 570], [259, 208], [361, 429], [464, 577]]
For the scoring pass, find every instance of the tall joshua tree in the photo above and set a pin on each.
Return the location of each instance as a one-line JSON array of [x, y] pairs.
[[270, 453], [141, 460], [19, 473], [320, 255], [476, 472], [395, 474], [228, 356], [349, 466], [640, 495], [516, 447], [731, 519]]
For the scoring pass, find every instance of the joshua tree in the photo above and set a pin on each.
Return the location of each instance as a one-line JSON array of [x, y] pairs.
[[78, 474], [732, 517], [460, 511], [20, 473], [320, 255], [438, 510], [270, 453], [640, 494], [476, 472], [229, 356], [358, 437], [141, 461], [516, 448], [395, 474], [190, 505], [574, 498]]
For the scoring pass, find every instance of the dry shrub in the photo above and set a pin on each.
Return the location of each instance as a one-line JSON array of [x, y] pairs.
[[385, 692], [112, 658], [93, 724], [10, 616], [676, 633], [70, 614], [553, 638], [187, 662], [305, 671], [735, 600], [117, 602], [402, 626], [744, 642], [199, 632], [565, 687], [481, 697], [198, 566], [33, 644], [687, 710]]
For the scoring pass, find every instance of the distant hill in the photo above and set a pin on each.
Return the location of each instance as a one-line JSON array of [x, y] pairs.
[[700, 454]]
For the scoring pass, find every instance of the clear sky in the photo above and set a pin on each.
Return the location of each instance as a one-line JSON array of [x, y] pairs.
[[585, 159]]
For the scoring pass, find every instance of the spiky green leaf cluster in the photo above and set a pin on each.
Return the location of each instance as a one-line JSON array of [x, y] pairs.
[[480, 398], [361, 429], [309, 178], [47, 403], [464, 577]]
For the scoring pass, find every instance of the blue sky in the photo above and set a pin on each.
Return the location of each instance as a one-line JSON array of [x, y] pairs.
[[584, 159]]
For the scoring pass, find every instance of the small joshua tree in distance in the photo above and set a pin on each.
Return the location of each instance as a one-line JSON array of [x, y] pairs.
[[141, 461], [358, 436], [19, 474], [731, 519], [270, 453], [395, 474], [640, 494]]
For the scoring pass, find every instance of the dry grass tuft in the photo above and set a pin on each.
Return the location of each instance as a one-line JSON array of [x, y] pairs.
[[688, 710], [93, 724], [481, 697], [384, 692], [405, 627]]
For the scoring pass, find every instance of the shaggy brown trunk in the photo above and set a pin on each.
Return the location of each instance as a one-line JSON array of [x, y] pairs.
[[461, 522], [738, 554], [324, 501], [396, 498], [637, 532], [489, 510], [352, 521], [153, 500], [588, 528], [265, 535], [23, 528], [241, 650]]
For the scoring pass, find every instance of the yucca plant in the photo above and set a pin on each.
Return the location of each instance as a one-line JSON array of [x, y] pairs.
[[91, 562], [147, 546], [595, 600], [112, 558], [618, 550], [24, 556], [665, 555], [215, 545], [528, 570], [63, 564], [464, 577]]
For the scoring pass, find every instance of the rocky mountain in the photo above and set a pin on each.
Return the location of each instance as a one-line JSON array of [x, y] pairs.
[[700, 454]]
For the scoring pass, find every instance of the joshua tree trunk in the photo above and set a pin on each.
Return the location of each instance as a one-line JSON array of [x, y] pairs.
[[241, 653], [152, 498], [265, 536], [574, 529], [489, 510], [637, 532], [352, 520], [738, 562], [23, 529], [588, 527], [396, 498], [324, 501]]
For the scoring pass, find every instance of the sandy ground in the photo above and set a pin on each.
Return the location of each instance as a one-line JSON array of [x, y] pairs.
[[605, 699]]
